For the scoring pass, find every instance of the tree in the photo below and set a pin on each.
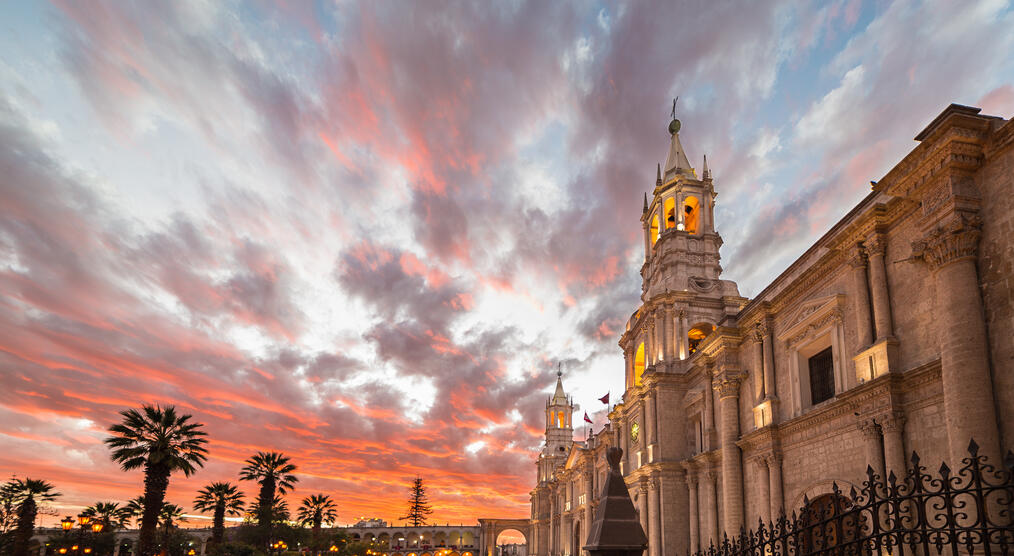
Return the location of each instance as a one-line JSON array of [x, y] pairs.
[[273, 472], [279, 510], [110, 514], [134, 509], [316, 510], [26, 494], [220, 498], [161, 442], [8, 514], [418, 504], [169, 515]]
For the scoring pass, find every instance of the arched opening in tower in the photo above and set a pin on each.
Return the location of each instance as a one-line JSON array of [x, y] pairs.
[[691, 210]]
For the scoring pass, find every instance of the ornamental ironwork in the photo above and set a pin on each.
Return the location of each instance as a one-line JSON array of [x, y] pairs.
[[967, 511]]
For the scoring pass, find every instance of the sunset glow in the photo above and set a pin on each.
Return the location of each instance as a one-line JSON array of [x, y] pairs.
[[366, 234]]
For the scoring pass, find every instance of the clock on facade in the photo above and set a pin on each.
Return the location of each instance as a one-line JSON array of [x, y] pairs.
[[635, 431]]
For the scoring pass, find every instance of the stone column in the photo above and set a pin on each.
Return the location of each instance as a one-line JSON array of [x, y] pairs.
[[654, 530], [649, 355], [684, 348], [709, 413], [873, 445], [861, 299], [695, 518], [758, 366], [876, 246], [775, 476], [116, 546], [663, 334], [552, 523], [969, 406], [732, 465], [770, 387], [653, 419], [204, 546], [628, 366], [764, 480], [894, 450], [711, 496], [642, 504], [589, 476]]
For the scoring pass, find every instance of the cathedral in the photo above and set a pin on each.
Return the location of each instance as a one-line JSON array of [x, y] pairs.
[[891, 333]]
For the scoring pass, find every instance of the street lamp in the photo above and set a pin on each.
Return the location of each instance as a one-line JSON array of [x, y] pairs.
[[67, 523], [97, 527]]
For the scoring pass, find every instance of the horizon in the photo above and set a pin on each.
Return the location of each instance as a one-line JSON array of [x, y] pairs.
[[366, 236]]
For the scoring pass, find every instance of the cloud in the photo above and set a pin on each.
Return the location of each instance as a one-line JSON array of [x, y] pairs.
[[367, 235]]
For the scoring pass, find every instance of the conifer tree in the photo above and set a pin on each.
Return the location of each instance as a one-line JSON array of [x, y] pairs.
[[418, 504]]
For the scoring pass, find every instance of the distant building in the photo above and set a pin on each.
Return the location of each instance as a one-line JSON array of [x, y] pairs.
[[371, 522], [892, 333]]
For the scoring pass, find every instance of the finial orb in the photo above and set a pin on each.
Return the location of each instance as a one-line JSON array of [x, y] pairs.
[[674, 126]]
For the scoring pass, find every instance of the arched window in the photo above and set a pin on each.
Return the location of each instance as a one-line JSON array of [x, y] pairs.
[[671, 217], [639, 364], [560, 423], [691, 210], [696, 335], [653, 231]]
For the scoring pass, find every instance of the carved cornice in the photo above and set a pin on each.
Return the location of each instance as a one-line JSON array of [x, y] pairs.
[[951, 241]]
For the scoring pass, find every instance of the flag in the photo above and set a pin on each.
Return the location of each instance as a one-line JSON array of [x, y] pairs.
[[586, 417], [605, 399]]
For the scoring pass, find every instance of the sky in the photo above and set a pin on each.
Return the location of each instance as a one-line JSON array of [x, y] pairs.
[[366, 234]]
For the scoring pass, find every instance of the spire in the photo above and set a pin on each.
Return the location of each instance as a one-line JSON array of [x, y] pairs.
[[658, 174], [676, 162], [559, 397], [705, 172], [645, 209]]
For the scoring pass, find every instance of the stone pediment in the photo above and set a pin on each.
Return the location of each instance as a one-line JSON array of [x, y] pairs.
[[810, 313], [575, 453]]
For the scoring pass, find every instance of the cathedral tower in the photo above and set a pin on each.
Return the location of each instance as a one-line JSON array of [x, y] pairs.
[[682, 293], [559, 430]]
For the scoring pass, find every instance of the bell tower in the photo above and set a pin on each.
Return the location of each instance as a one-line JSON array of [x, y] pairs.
[[683, 297], [559, 430], [680, 241]]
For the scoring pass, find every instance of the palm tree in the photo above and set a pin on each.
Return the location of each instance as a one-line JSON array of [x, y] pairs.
[[273, 472], [169, 515], [219, 498], [315, 510], [279, 510], [110, 514], [161, 442], [134, 509], [26, 492]]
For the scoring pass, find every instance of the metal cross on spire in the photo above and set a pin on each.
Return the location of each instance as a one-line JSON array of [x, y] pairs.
[[674, 106], [559, 371]]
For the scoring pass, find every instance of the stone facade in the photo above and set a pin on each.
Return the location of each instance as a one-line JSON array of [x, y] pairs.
[[892, 333]]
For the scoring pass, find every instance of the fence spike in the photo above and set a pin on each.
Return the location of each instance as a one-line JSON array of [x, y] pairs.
[[945, 469], [973, 448], [915, 458]]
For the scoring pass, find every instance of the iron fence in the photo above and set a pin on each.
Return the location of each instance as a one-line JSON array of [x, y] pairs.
[[968, 511]]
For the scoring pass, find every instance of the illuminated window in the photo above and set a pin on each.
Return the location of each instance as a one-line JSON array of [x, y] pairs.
[[654, 229], [670, 213], [639, 364], [560, 420], [697, 334], [691, 209]]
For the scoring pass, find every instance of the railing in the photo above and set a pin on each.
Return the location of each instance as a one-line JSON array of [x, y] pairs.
[[970, 511]]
